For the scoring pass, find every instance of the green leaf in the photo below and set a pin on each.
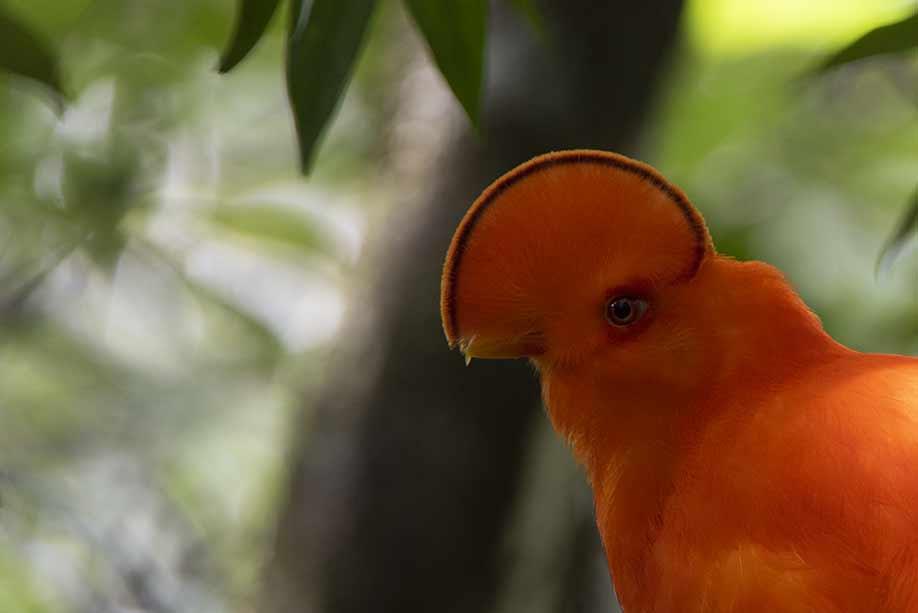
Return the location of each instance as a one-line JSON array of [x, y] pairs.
[[891, 38], [906, 227], [323, 46], [23, 53], [273, 224], [455, 32], [252, 20]]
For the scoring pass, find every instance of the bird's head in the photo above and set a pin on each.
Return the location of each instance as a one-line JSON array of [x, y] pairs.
[[570, 257], [601, 272], [588, 263]]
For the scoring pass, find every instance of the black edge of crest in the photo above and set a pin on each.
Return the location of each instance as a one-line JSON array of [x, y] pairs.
[[549, 160]]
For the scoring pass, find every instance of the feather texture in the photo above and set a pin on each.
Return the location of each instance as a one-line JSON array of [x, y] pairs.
[[740, 458]]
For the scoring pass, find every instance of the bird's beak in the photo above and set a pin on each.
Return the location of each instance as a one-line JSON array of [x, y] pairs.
[[498, 349]]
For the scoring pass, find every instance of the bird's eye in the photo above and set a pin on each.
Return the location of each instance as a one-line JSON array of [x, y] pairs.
[[624, 310]]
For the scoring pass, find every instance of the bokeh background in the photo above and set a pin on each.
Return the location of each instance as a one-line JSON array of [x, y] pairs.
[[223, 385]]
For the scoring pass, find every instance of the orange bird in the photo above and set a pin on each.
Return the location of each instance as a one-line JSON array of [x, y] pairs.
[[740, 458]]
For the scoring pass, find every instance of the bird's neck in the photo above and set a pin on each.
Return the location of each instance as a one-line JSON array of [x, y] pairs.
[[633, 450], [757, 327]]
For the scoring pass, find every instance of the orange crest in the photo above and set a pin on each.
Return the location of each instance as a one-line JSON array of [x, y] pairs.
[[601, 215]]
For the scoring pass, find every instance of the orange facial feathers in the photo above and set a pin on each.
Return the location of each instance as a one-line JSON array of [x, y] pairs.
[[515, 244], [741, 459]]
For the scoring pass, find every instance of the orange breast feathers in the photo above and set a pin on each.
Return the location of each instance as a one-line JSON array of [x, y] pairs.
[[741, 459]]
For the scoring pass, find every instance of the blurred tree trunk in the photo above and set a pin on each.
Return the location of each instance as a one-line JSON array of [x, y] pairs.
[[405, 482]]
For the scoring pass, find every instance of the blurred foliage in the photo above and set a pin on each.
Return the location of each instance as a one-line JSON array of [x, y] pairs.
[[894, 38], [804, 174], [169, 285], [23, 53], [324, 43], [891, 38], [896, 243], [324, 40], [166, 288], [729, 27]]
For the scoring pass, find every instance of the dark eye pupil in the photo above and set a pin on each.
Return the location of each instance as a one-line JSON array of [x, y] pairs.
[[622, 309], [625, 310]]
